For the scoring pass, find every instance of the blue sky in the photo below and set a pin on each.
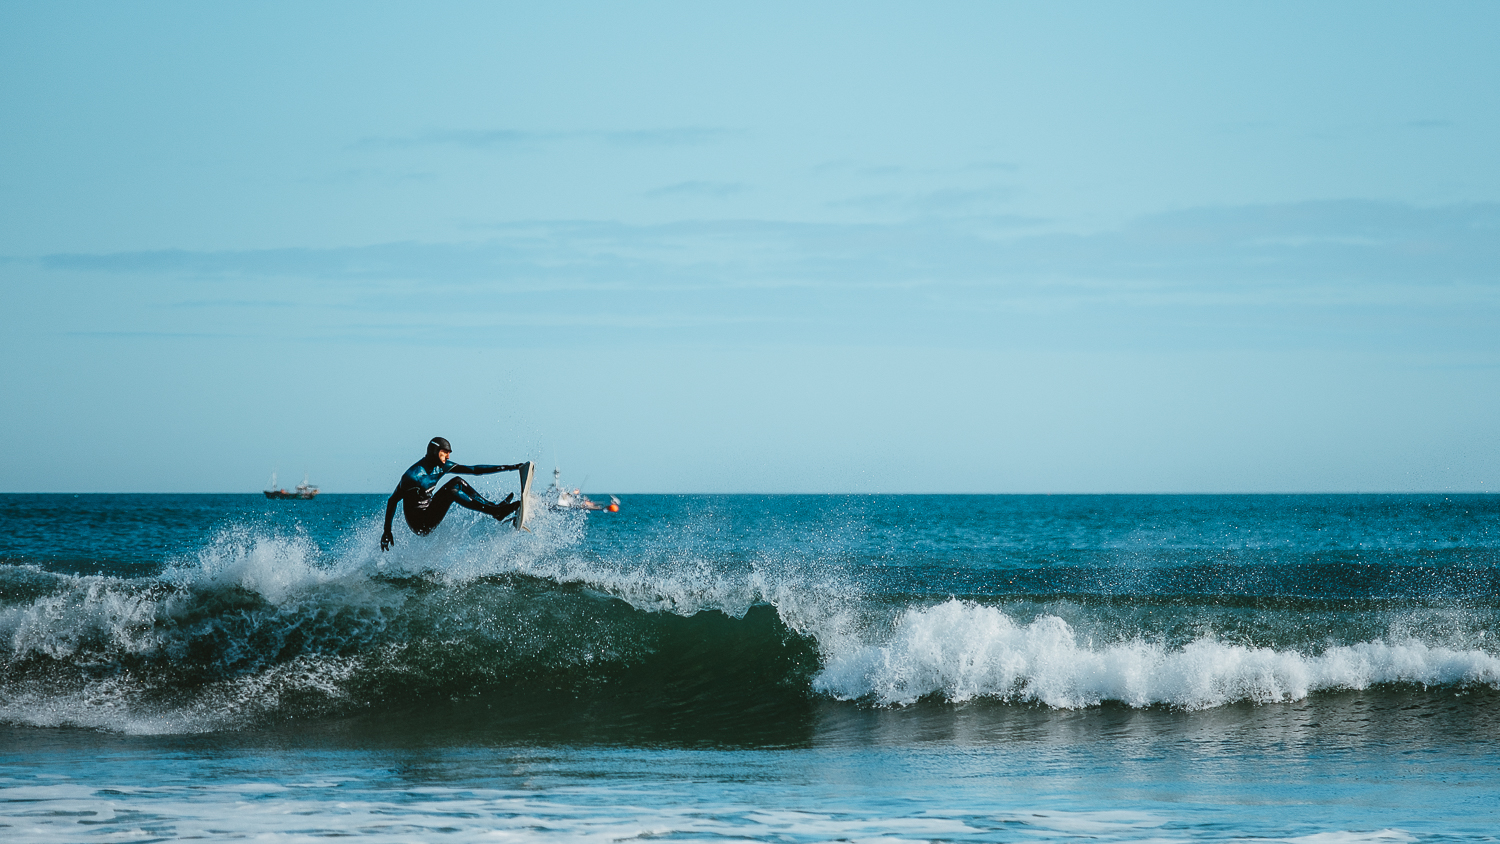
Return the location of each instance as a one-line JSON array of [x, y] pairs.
[[704, 247]]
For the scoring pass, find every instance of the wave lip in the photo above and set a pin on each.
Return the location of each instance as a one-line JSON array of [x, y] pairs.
[[960, 651]]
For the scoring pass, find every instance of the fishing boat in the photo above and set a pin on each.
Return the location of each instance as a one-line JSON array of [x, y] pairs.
[[559, 498], [303, 491]]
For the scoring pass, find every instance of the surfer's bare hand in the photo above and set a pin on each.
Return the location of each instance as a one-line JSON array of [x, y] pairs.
[[386, 541]]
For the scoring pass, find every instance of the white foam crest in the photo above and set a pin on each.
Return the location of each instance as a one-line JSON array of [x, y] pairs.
[[960, 651], [683, 586], [468, 547], [477, 547], [274, 566], [86, 626], [663, 576], [655, 576], [823, 605], [95, 612], [122, 703], [96, 620]]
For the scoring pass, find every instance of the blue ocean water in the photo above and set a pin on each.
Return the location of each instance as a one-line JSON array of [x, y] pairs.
[[767, 668]]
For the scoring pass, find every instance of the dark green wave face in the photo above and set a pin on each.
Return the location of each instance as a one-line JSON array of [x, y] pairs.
[[207, 657], [738, 619]]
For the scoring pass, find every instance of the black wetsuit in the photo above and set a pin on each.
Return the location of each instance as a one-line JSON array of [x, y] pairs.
[[425, 504]]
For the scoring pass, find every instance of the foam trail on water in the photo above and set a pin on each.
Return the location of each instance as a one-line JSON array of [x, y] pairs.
[[960, 651]]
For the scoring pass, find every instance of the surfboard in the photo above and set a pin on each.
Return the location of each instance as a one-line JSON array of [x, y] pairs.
[[527, 470]]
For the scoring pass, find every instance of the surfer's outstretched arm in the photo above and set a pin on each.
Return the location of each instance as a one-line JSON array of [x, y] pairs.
[[388, 539], [460, 469]]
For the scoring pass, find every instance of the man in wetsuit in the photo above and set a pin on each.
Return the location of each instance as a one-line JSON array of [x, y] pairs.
[[424, 506]]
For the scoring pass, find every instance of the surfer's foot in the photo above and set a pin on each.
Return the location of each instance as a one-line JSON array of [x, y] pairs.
[[509, 497]]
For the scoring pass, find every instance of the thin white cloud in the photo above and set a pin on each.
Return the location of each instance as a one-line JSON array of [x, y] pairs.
[[494, 139], [1352, 276], [940, 201], [715, 190], [1346, 245]]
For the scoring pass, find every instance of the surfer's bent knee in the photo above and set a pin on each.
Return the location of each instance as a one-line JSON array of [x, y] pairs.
[[458, 485]]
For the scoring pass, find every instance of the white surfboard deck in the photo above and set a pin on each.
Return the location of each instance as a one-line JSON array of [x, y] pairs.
[[527, 470]]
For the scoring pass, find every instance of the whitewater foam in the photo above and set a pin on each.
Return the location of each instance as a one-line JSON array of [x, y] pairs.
[[91, 612], [960, 651]]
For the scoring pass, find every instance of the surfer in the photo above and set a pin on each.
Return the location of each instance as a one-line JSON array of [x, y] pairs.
[[425, 505]]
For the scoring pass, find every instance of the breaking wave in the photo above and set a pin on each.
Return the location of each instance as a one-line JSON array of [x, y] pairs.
[[261, 627], [960, 651]]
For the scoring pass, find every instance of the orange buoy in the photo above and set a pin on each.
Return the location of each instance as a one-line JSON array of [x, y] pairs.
[[614, 508]]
